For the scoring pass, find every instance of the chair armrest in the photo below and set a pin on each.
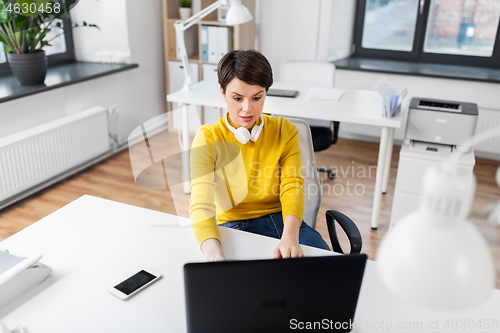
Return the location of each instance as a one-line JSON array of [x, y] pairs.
[[349, 228]]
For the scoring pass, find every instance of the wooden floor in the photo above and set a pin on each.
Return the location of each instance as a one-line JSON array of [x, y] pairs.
[[351, 193]]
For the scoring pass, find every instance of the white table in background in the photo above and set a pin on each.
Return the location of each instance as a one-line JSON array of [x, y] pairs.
[[356, 106], [92, 243]]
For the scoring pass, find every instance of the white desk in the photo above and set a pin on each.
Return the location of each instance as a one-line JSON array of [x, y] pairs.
[[356, 106], [91, 244]]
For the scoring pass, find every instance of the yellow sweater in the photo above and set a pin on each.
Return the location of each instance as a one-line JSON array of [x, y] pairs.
[[231, 181]]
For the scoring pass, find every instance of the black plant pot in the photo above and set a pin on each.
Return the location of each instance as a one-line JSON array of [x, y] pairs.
[[28, 68]]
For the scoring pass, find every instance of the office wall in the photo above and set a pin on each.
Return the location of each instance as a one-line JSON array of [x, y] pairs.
[[302, 29], [138, 93], [110, 42], [287, 29]]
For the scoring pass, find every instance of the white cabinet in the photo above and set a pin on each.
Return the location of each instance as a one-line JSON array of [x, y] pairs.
[[211, 114], [411, 170], [176, 81]]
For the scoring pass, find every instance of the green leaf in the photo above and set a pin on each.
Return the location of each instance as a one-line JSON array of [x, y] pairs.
[[186, 3], [31, 33], [7, 48], [44, 33], [20, 21], [4, 15], [2, 3], [3, 41]]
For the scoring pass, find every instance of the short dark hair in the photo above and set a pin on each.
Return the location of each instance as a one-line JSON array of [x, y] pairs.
[[249, 66]]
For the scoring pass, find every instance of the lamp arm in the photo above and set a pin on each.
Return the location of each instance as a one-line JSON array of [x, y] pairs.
[[201, 14], [184, 57], [471, 142], [180, 27]]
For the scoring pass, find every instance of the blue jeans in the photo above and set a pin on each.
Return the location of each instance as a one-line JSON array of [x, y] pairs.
[[272, 226]]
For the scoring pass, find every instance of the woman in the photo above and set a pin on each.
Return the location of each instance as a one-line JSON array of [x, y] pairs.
[[245, 169]]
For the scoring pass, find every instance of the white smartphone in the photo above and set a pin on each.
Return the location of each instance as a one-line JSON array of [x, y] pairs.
[[137, 282]]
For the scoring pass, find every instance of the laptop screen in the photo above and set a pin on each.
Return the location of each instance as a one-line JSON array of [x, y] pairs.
[[279, 295]]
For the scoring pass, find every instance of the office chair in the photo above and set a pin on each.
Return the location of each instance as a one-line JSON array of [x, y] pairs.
[[314, 194], [321, 75]]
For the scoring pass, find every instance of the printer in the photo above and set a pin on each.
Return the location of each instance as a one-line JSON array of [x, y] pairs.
[[437, 125], [435, 128]]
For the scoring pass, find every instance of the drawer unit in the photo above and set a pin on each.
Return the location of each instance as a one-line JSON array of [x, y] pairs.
[[411, 170]]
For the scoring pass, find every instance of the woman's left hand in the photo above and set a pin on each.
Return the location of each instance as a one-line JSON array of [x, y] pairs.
[[288, 248]]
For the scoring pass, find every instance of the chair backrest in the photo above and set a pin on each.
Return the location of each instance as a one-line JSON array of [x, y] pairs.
[[317, 73], [312, 185]]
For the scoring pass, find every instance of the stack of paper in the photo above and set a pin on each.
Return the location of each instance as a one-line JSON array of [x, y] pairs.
[[392, 99], [325, 94]]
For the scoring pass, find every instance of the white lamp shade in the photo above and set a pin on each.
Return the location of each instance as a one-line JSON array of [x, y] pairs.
[[237, 13], [434, 257]]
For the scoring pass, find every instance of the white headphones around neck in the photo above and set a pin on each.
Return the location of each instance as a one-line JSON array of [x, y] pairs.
[[242, 135]]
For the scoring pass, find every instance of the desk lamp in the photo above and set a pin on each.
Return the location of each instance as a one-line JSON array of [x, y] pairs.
[[434, 257], [237, 14]]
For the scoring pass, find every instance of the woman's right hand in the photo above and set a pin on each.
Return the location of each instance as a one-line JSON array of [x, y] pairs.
[[212, 250]]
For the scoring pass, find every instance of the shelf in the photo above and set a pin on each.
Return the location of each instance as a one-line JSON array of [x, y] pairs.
[[59, 76], [192, 58], [218, 23], [420, 69]]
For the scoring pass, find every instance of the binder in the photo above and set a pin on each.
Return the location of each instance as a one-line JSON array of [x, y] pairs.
[[204, 43], [213, 44], [224, 42]]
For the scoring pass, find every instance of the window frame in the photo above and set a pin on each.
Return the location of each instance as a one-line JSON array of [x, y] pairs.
[[417, 54], [55, 59]]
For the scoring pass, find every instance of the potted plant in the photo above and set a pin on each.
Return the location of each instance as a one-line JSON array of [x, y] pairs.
[[185, 9], [24, 25]]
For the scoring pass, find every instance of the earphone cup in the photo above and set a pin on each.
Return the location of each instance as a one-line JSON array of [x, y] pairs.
[[256, 132], [242, 135]]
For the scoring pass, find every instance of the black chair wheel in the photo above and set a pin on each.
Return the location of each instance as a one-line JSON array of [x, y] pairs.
[[332, 175]]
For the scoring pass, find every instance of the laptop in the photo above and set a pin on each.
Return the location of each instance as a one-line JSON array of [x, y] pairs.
[[282, 93], [281, 295]]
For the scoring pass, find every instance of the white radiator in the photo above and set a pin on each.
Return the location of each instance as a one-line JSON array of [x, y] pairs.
[[488, 119], [38, 154]]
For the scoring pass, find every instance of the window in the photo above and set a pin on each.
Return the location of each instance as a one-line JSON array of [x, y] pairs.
[[460, 32], [57, 42], [59, 53], [2, 55]]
